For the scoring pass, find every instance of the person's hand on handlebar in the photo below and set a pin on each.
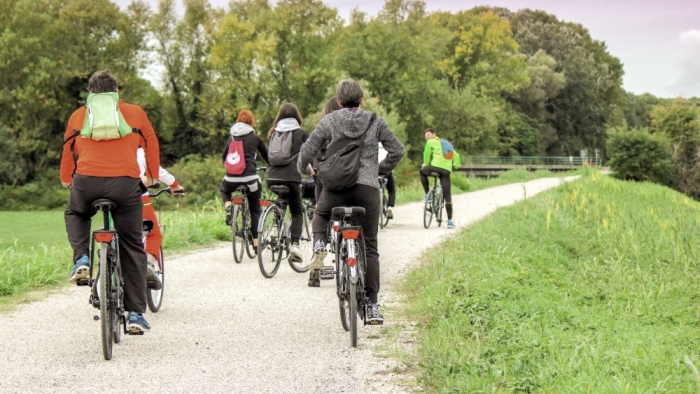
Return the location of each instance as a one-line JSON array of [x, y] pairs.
[[178, 190]]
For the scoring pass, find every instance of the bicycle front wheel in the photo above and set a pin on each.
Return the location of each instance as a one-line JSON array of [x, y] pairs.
[[250, 249], [237, 236], [269, 242], [428, 209], [306, 245], [107, 312], [155, 297]]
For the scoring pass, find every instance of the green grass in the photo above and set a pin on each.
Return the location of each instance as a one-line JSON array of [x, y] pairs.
[[591, 287], [35, 254]]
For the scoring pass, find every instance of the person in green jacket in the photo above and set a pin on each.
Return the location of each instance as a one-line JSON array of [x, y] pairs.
[[435, 161]]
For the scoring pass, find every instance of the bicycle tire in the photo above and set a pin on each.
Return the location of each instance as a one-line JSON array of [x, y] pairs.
[[106, 304], [382, 208], [352, 289], [250, 249], [269, 245], [428, 209], [237, 238], [306, 245], [439, 208], [119, 317], [154, 297], [385, 208], [343, 295]]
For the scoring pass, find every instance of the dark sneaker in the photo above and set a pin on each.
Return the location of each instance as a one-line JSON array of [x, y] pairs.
[[137, 323], [314, 278], [81, 269], [450, 224], [152, 280], [374, 317], [229, 209], [320, 254]]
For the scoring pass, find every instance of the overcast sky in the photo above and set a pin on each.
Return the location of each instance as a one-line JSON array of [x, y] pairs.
[[658, 41]]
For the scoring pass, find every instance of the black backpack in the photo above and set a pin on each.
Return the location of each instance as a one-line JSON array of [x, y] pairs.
[[341, 166]]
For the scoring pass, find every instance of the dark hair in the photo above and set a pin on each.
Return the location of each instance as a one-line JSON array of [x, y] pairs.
[[349, 93], [287, 110], [331, 105], [430, 131], [102, 82], [246, 116]]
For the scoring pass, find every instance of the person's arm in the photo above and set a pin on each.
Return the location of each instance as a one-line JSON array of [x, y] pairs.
[[68, 164], [151, 147], [228, 144], [427, 154], [456, 160], [312, 146], [393, 147], [263, 150]]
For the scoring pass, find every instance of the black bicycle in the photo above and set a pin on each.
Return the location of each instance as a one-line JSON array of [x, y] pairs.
[[384, 203], [435, 202], [107, 292], [241, 224], [274, 242], [349, 270]]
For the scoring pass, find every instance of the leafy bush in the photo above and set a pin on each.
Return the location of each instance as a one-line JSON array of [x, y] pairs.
[[44, 193], [639, 156]]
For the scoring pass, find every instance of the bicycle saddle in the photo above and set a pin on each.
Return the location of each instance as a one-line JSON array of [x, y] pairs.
[[279, 189], [104, 203], [348, 211], [435, 174]]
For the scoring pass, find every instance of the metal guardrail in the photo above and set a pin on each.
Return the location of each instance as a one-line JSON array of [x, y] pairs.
[[532, 160]]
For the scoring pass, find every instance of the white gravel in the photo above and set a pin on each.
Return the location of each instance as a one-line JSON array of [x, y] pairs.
[[225, 328]]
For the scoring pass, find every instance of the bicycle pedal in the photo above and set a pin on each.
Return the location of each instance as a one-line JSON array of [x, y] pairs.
[[82, 282], [134, 332], [374, 323], [326, 272]]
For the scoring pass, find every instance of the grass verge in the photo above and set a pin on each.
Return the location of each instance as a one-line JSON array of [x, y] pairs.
[[590, 287]]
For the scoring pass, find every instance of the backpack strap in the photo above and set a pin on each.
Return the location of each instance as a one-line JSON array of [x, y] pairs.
[[138, 131]]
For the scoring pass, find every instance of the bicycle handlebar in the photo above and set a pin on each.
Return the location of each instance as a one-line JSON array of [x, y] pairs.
[[166, 190]]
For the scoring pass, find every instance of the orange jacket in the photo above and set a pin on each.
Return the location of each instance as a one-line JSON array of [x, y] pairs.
[[113, 158]]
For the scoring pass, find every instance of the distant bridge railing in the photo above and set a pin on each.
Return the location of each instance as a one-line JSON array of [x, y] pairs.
[[493, 165]]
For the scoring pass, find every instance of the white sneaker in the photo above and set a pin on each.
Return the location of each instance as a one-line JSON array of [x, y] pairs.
[[295, 254], [319, 255], [390, 213]]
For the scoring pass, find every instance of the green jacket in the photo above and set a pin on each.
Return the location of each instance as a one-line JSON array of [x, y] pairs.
[[432, 155]]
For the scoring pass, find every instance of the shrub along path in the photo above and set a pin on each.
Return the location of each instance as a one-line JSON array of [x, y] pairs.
[[225, 328]]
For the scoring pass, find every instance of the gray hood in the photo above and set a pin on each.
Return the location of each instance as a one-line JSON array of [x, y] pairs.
[[287, 124], [240, 129], [352, 123]]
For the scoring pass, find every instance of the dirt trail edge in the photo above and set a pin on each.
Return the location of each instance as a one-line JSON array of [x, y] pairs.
[[224, 328]]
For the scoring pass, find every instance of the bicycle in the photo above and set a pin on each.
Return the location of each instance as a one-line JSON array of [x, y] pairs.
[[274, 241], [384, 203], [154, 298], [241, 223], [435, 202], [107, 292], [349, 270]]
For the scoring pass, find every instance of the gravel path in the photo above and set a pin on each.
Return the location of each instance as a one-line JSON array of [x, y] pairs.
[[224, 328]]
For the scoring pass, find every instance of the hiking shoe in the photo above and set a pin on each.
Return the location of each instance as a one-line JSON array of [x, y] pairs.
[[81, 269], [374, 317], [137, 323], [314, 278], [295, 254], [427, 198], [319, 255], [152, 279], [229, 213], [390, 213], [450, 224]]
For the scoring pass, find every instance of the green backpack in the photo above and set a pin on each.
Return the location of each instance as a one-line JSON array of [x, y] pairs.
[[103, 121]]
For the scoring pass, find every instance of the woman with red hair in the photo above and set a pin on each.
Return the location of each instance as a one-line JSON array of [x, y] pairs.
[[244, 132]]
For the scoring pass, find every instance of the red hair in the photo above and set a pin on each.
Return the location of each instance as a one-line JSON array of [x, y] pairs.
[[246, 117]]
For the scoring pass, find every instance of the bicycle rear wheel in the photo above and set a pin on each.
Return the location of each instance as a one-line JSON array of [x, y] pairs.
[[250, 249], [343, 296], [107, 313], [269, 242], [306, 245], [237, 238], [428, 209], [352, 289], [155, 297]]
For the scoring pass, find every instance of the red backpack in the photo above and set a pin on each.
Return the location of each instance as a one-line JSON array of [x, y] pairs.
[[235, 159]]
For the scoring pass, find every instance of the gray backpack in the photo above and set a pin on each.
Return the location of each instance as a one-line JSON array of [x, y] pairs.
[[280, 152]]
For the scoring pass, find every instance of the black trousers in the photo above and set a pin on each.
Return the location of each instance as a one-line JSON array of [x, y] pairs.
[[391, 188], [227, 189], [128, 221], [357, 196], [295, 206], [444, 182]]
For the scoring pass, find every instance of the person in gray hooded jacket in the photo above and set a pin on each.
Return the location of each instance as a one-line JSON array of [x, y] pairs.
[[284, 172], [243, 130], [352, 122]]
